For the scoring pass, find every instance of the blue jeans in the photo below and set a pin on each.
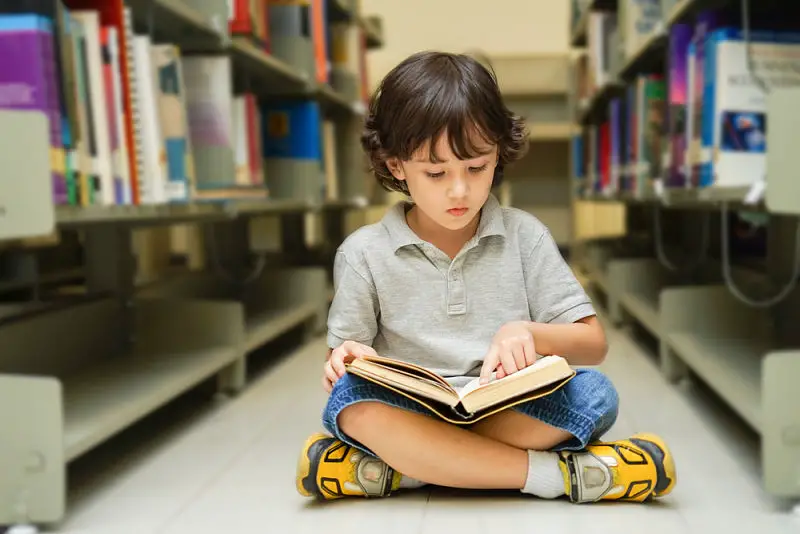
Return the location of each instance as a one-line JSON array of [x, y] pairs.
[[586, 407]]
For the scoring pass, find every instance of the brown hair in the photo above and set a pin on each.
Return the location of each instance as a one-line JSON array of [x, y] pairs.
[[433, 92]]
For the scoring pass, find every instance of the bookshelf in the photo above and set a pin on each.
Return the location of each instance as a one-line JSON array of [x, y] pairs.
[[235, 269], [706, 264]]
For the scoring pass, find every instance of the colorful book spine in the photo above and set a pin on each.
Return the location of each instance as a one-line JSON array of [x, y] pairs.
[[628, 176], [680, 37], [28, 82], [706, 22], [615, 142]]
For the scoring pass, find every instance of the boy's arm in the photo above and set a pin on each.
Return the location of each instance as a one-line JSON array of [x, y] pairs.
[[564, 321], [353, 314], [581, 343]]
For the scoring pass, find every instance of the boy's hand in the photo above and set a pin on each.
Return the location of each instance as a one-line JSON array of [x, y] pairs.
[[512, 349], [334, 367]]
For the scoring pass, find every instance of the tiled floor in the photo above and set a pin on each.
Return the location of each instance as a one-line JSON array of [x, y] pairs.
[[229, 468]]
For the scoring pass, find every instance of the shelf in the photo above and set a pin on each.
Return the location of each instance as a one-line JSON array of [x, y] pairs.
[[106, 399], [84, 386], [267, 75], [165, 214], [176, 22], [578, 38], [708, 196], [644, 308], [340, 10], [70, 216], [267, 326], [732, 367], [597, 107], [649, 59], [373, 28], [551, 131]]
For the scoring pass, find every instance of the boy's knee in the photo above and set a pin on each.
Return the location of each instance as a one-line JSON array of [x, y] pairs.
[[356, 416], [597, 391]]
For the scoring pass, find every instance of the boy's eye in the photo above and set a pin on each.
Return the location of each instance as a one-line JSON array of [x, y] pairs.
[[435, 174], [478, 170]]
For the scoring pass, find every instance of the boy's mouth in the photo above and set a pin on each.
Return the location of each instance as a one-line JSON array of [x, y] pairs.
[[458, 212]]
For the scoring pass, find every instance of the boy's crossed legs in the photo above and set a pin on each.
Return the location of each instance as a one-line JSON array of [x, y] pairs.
[[546, 447]]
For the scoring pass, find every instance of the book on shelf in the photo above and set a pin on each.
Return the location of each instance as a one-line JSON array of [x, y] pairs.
[[734, 108], [474, 401]]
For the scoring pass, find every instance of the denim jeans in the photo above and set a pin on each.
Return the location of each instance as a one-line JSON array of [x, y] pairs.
[[586, 407]]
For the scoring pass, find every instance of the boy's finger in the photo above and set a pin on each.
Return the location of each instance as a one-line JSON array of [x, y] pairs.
[[489, 365], [501, 372], [337, 362]]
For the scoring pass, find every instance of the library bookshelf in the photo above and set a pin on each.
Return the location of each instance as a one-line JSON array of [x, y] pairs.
[[235, 220], [706, 259]]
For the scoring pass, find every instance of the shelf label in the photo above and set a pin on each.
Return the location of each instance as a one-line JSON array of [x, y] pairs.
[[27, 184], [756, 192]]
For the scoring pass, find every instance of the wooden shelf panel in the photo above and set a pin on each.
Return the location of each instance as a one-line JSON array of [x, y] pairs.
[[266, 326], [105, 399], [644, 308], [732, 367]]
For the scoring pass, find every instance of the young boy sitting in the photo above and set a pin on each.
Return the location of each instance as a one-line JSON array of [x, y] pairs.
[[458, 284]]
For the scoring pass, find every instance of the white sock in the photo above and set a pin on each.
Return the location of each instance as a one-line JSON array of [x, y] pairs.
[[410, 483], [545, 479]]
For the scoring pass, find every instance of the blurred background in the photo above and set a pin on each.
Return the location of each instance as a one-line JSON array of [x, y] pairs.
[[176, 176]]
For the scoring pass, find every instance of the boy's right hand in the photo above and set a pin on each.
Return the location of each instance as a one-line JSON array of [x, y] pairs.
[[334, 367]]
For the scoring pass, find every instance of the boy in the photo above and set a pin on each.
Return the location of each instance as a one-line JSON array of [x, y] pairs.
[[456, 283]]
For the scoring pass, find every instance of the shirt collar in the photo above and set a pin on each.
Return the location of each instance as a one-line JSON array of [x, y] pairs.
[[491, 223]]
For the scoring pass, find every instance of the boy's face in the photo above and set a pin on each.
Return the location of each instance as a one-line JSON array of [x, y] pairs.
[[449, 192]]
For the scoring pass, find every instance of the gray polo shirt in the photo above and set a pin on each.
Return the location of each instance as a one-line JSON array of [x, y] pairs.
[[409, 301]]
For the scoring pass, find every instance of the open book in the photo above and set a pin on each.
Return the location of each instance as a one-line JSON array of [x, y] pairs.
[[472, 402]]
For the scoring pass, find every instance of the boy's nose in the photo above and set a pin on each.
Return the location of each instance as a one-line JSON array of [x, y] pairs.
[[459, 187]]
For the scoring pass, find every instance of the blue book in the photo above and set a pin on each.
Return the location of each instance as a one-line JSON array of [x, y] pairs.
[[292, 130]]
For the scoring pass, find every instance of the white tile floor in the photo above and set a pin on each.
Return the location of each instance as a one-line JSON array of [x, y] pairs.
[[229, 468]]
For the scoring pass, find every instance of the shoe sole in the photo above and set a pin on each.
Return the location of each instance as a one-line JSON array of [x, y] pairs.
[[666, 470], [304, 464]]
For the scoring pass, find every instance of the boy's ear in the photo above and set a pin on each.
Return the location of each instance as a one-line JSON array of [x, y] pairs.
[[394, 166]]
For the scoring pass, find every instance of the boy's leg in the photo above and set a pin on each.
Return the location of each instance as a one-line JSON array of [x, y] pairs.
[[637, 468], [435, 452], [403, 432]]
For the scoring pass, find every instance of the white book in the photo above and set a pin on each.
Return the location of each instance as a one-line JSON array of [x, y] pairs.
[[121, 156], [138, 153], [241, 140], [153, 145], [102, 164]]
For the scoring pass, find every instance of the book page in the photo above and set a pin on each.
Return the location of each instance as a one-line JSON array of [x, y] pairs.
[[545, 371]]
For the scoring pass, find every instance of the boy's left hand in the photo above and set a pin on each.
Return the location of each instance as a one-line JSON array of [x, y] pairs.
[[512, 349]]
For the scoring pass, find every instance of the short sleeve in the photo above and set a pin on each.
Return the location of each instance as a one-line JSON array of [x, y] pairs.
[[554, 294], [353, 314]]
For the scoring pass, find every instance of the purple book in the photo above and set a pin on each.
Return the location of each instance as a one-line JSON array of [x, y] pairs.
[[28, 82], [680, 36], [616, 143]]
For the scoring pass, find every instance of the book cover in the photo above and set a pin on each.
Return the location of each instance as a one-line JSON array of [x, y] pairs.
[[28, 82], [292, 129], [171, 103], [734, 108]]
